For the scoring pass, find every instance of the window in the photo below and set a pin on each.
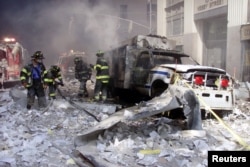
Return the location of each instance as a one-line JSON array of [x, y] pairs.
[[175, 19], [144, 61], [124, 11], [172, 58], [153, 13]]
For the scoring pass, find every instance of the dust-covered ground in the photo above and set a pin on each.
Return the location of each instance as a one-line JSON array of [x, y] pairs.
[[45, 138]]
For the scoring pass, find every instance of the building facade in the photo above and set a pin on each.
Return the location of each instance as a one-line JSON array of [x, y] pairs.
[[214, 32], [133, 16]]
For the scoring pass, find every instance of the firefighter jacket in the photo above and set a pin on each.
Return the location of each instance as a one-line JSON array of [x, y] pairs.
[[31, 75], [102, 70], [82, 72], [52, 78]]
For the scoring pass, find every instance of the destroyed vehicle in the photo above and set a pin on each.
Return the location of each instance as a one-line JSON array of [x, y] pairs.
[[149, 64], [12, 56], [66, 63]]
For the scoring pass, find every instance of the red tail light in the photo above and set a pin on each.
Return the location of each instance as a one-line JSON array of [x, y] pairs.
[[198, 80], [224, 82]]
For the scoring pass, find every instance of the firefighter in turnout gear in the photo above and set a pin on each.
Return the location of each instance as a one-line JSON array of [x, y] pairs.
[[102, 77], [31, 79], [53, 78], [83, 74]]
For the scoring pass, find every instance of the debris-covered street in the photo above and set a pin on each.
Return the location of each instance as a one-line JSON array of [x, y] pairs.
[[119, 83], [46, 138]]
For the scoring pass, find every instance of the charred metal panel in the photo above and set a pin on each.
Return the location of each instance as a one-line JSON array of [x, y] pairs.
[[151, 41]]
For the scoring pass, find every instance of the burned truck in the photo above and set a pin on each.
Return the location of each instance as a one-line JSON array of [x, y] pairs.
[[149, 64]]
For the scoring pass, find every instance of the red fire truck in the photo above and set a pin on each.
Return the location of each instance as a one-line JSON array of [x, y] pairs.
[[66, 63], [11, 61]]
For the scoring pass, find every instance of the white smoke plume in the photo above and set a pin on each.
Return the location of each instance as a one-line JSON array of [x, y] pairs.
[[57, 26]]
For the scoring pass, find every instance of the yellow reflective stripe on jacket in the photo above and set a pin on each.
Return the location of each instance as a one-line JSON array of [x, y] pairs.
[[104, 67], [102, 77], [24, 70], [52, 94], [45, 72], [83, 72], [48, 80], [22, 78], [29, 85], [97, 66]]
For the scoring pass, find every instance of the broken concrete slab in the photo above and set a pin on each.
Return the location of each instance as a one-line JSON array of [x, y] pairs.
[[174, 97]]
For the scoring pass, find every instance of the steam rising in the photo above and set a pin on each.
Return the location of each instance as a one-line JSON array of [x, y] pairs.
[[55, 27]]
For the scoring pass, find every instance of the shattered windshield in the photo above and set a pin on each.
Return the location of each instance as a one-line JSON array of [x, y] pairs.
[[172, 58]]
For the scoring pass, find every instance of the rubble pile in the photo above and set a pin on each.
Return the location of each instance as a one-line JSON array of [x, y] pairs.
[[36, 138], [28, 136]]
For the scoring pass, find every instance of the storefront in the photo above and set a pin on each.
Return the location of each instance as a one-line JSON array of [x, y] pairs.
[[245, 40]]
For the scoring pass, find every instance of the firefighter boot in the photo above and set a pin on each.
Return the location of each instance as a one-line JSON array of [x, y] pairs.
[[96, 98], [28, 106], [86, 94], [80, 95], [42, 102]]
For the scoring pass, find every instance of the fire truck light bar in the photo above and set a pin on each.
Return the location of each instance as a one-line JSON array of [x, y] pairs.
[[9, 39]]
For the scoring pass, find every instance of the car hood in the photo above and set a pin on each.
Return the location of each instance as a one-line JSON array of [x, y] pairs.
[[191, 68]]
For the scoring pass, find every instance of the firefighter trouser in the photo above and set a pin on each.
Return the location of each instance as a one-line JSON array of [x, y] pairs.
[[83, 88], [52, 91], [38, 91], [102, 88]]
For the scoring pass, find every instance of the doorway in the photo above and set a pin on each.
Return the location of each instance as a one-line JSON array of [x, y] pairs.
[[215, 42]]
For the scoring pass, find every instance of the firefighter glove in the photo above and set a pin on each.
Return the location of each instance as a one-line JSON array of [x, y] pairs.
[[25, 84], [45, 86]]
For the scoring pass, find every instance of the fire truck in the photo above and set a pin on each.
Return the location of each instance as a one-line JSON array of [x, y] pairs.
[[11, 61], [66, 63]]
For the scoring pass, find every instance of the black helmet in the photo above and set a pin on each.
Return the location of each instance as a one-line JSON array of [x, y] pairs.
[[100, 53], [37, 55], [55, 68], [77, 59]]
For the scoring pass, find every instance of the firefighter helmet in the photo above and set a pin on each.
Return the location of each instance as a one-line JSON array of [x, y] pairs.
[[55, 68], [77, 59], [100, 53], [37, 55]]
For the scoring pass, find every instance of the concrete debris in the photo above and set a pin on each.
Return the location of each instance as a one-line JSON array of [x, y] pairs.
[[175, 97], [242, 91], [144, 142]]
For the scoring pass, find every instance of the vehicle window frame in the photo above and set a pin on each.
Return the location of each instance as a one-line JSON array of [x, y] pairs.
[[178, 58], [144, 64]]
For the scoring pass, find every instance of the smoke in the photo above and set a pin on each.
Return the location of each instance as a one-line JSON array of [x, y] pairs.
[[55, 27]]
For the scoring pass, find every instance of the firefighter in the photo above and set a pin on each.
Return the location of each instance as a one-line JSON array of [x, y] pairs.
[[31, 79], [53, 78], [82, 73], [102, 77]]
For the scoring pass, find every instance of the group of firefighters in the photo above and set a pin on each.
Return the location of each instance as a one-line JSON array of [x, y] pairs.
[[36, 79]]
